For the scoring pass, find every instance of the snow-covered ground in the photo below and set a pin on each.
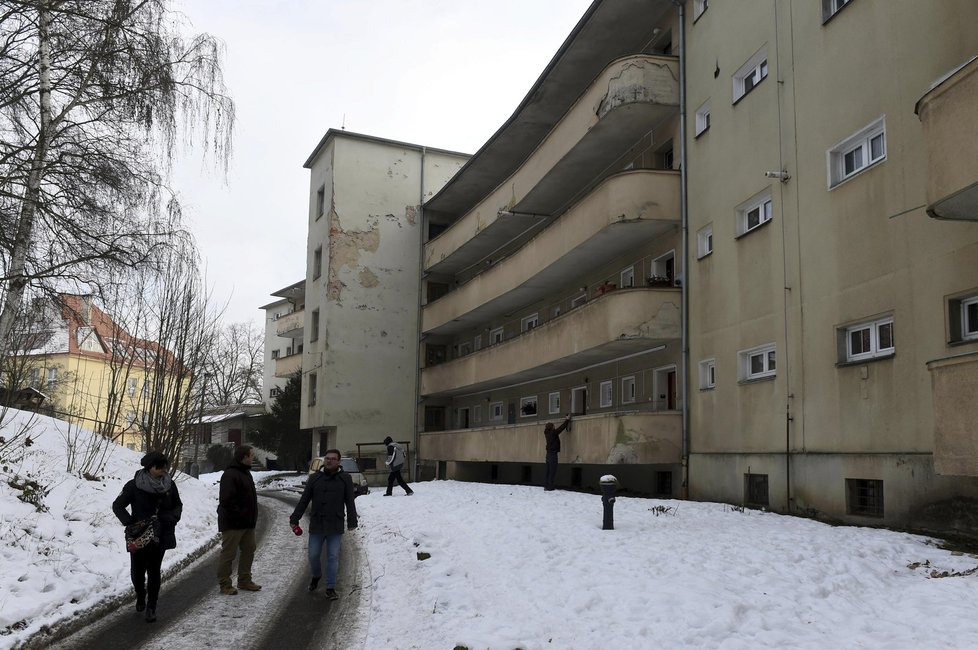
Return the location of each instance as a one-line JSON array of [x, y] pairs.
[[517, 567]]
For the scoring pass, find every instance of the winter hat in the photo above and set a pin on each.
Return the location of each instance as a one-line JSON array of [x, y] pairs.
[[154, 459], [388, 440]]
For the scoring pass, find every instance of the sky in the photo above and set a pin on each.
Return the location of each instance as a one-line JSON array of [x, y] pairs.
[[439, 73], [509, 567]]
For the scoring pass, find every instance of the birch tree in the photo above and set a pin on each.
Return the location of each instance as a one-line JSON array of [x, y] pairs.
[[96, 98]]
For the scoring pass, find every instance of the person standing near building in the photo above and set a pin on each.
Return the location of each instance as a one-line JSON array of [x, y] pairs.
[[150, 492], [553, 448], [395, 461], [237, 515], [331, 491]]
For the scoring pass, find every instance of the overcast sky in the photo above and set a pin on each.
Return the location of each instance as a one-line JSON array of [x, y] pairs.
[[442, 73]]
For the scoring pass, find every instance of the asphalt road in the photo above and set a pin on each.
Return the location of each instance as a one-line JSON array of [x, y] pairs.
[[193, 614]]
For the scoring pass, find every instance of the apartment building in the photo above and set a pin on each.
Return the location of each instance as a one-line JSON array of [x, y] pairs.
[[360, 322], [553, 265], [831, 322], [284, 328]]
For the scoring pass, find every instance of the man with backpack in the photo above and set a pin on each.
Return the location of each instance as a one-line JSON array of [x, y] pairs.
[[330, 490], [395, 461]]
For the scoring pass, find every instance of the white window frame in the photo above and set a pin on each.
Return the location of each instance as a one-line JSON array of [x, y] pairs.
[[464, 348], [130, 418], [627, 277], [704, 241], [477, 342], [969, 326], [708, 374], [699, 6], [525, 401], [873, 330], [529, 322], [606, 391], [766, 354], [52, 377], [832, 7], [496, 412], [702, 120], [131, 385], [496, 336], [760, 205], [553, 403], [868, 142], [578, 301], [749, 75], [628, 390]]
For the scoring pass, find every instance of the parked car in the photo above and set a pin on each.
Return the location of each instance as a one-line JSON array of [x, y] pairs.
[[348, 465]]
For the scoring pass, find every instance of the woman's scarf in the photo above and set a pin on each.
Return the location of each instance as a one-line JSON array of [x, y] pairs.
[[149, 483]]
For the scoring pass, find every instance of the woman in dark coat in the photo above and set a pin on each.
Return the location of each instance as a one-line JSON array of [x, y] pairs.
[[151, 491]]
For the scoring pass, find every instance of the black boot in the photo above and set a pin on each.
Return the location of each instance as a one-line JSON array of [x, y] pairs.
[[140, 601], [151, 613]]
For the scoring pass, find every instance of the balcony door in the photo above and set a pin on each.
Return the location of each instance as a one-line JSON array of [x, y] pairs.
[[579, 400], [666, 387]]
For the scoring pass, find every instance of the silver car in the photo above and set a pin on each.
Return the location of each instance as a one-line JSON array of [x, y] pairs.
[[348, 465]]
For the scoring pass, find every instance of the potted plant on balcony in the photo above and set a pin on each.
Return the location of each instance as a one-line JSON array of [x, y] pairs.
[[659, 281]]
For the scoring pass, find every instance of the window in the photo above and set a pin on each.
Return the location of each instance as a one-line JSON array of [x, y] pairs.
[[312, 389], [699, 6], [580, 300], [868, 340], [864, 497], [275, 391], [858, 152], [528, 406], [314, 326], [52, 377], [554, 406], [275, 354], [708, 374], [495, 411], [750, 74], [627, 277], [317, 263], [529, 322], [496, 336], [963, 318], [754, 213], [131, 384], [702, 118], [704, 241], [320, 201], [477, 342], [147, 387], [832, 7], [627, 390], [663, 484], [606, 397], [757, 363], [755, 489], [130, 419], [464, 349]]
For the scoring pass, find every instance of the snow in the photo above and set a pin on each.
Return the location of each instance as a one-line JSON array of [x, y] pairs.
[[517, 567]]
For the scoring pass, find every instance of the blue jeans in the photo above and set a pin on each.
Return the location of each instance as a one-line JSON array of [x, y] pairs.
[[332, 542]]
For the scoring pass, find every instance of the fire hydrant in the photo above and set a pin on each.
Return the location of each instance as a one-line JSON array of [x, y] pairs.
[[608, 486]]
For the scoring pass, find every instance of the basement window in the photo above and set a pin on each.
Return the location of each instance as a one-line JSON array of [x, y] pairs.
[[864, 497]]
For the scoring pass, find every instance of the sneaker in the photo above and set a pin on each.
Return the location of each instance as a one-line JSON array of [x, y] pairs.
[[150, 614], [313, 584], [228, 590], [409, 493], [332, 595], [388, 494], [248, 585]]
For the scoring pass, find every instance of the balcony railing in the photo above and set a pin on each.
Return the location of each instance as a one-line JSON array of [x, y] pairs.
[[287, 366], [290, 326], [606, 438], [620, 322]]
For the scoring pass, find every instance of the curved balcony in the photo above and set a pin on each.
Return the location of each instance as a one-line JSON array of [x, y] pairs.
[[630, 96], [286, 366], [618, 323], [625, 209], [602, 439], [290, 326], [950, 140]]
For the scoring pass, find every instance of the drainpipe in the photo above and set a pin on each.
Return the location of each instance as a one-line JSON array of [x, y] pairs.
[[417, 371], [684, 221]]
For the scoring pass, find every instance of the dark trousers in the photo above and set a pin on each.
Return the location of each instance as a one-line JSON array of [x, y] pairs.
[[145, 572], [551, 470], [395, 475]]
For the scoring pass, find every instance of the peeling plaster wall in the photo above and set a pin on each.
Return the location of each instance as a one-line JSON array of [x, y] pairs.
[[367, 295]]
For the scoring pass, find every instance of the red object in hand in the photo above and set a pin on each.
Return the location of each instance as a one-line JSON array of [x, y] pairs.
[[297, 530]]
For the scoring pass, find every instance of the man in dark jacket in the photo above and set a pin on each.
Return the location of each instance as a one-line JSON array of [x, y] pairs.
[[237, 514], [553, 448], [330, 490]]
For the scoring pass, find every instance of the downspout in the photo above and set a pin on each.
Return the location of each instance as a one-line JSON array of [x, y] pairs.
[[417, 372], [684, 229]]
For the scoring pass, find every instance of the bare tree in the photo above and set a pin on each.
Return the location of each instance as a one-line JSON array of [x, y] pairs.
[[93, 97], [235, 365]]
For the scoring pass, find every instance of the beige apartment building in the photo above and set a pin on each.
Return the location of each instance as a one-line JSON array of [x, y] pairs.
[[754, 182], [359, 331]]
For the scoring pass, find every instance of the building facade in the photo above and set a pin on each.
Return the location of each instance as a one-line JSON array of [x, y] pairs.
[[360, 323], [284, 328], [831, 323]]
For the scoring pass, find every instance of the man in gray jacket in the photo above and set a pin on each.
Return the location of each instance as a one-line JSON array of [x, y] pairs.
[[330, 490], [395, 461]]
